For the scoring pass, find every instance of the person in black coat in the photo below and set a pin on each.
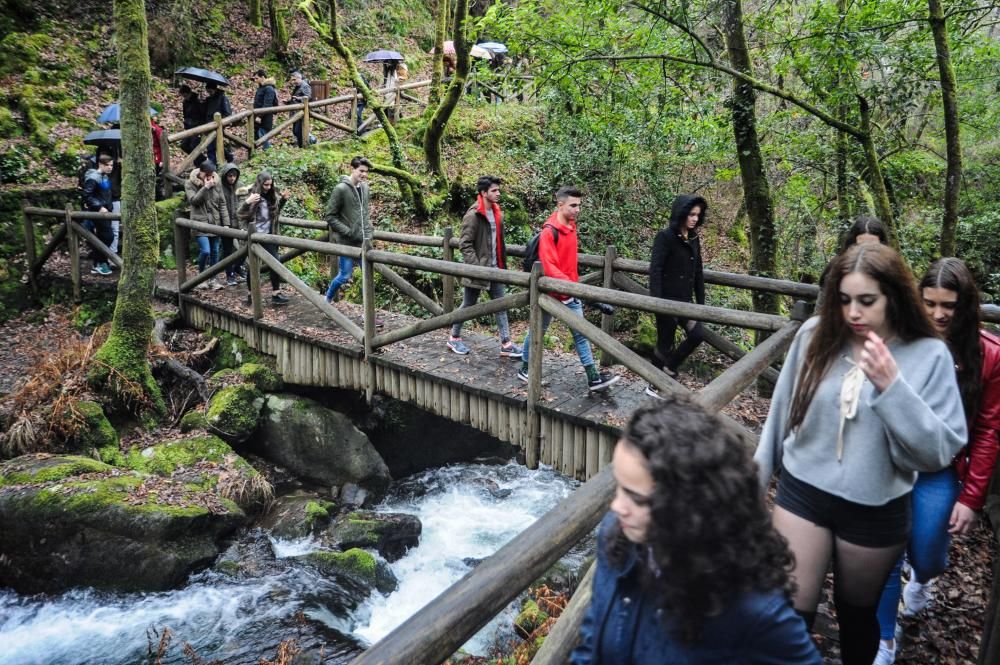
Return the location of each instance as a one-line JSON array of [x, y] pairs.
[[675, 273], [216, 101], [266, 96], [194, 115]]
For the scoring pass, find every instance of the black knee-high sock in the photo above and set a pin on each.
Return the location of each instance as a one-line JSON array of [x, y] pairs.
[[858, 632]]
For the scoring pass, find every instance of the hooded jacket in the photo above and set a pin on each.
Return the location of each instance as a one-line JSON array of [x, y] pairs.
[[217, 103], [96, 191], [559, 258], [257, 217], [477, 241], [675, 267], [265, 97], [194, 111], [208, 204], [348, 213], [976, 462], [232, 204]]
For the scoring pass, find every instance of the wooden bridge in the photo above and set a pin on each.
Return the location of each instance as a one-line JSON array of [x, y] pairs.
[[553, 419]]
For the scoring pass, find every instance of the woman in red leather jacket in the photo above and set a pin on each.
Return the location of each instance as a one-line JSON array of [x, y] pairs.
[[949, 501]]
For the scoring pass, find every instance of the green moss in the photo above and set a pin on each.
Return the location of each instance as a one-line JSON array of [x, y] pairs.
[[97, 431], [230, 568], [232, 412], [318, 512], [193, 420], [262, 376], [163, 459], [530, 618], [355, 562], [233, 351], [15, 472]]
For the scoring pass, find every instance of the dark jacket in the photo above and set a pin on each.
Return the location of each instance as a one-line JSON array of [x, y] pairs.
[[194, 111], [623, 619], [265, 97], [232, 204], [348, 213], [208, 204], [217, 103], [476, 243], [675, 268], [96, 191], [302, 92], [253, 215]]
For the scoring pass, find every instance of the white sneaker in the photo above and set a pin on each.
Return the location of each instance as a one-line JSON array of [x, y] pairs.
[[916, 597], [886, 655]]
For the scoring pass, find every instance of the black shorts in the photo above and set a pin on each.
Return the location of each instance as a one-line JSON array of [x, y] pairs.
[[856, 523]]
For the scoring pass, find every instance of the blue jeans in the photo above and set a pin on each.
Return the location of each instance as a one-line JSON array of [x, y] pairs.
[[343, 276], [208, 251], [933, 498], [581, 343], [260, 132], [470, 296]]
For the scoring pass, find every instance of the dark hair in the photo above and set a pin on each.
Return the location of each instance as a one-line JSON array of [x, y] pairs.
[[184, 88], [207, 166], [963, 331], [904, 310], [105, 159], [710, 535], [260, 72], [485, 182], [269, 195], [862, 225], [681, 208], [211, 85], [360, 161], [568, 191]]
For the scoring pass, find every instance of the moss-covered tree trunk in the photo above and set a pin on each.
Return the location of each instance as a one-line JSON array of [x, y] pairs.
[[439, 121], [873, 174], [437, 74], [122, 366], [279, 31], [256, 20], [949, 98]]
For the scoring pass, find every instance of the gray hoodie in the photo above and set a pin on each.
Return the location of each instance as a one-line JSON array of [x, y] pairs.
[[917, 424]]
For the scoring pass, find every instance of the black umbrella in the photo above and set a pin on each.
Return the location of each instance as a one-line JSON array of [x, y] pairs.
[[203, 75], [99, 137], [383, 56]]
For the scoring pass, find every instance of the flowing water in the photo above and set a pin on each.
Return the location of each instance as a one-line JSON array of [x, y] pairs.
[[468, 511]]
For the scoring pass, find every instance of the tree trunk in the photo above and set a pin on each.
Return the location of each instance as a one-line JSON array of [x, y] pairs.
[[441, 29], [949, 98], [255, 14], [439, 121], [279, 31], [122, 365], [873, 175]]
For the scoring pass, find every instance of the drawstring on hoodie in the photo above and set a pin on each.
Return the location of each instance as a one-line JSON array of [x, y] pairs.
[[850, 395]]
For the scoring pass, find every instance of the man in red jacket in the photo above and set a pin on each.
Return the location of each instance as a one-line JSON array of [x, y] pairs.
[[557, 253]]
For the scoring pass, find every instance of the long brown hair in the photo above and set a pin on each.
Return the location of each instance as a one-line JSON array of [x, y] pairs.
[[905, 312], [963, 331]]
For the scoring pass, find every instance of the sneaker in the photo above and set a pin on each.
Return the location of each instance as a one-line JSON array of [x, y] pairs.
[[523, 374], [238, 278], [916, 597], [96, 270], [510, 350], [652, 391], [279, 299], [458, 346], [886, 655], [232, 281], [104, 269], [602, 381]]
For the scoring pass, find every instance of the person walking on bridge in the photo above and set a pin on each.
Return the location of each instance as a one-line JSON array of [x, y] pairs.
[[557, 252], [266, 96], [482, 244], [301, 92], [261, 210], [97, 198], [208, 205], [348, 214]]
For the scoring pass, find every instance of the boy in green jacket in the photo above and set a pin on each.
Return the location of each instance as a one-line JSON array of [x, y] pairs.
[[348, 215]]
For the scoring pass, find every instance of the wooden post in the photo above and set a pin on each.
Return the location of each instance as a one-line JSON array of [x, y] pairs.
[[306, 125], [253, 265], [608, 320], [533, 443], [251, 133], [353, 122], [29, 252], [74, 254], [220, 143], [448, 281], [168, 185], [368, 301], [395, 107], [181, 235]]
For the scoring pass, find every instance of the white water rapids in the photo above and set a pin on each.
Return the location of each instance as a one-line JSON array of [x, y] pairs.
[[468, 511]]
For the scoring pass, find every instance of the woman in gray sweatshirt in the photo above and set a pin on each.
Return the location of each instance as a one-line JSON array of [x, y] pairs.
[[867, 398]]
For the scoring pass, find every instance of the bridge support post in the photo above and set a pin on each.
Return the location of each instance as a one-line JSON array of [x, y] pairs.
[[74, 254], [368, 301], [253, 266], [353, 121], [608, 320], [181, 235], [251, 134], [29, 252], [532, 446], [448, 281], [220, 143], [306, 125]]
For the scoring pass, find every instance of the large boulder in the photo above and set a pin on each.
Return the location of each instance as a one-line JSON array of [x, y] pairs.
[[234, 411], [392, 534], [319, 444], [70, 521]]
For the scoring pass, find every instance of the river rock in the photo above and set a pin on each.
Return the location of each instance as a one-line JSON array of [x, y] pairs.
[[234, 411], [355, 568], [69, 521], [319, 444], [251, 557], [392, 534], [298, 515]]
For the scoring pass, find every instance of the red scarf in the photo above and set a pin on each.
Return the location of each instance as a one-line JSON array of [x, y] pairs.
[[498, 218]]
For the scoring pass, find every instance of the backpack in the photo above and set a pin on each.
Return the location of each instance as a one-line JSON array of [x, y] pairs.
[[531, 249]]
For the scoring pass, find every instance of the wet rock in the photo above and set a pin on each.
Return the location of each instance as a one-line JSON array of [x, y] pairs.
[[250, 557], [392, 534], [298, 515], [319, 444], [352, 495], [355, 567], [234, 412]]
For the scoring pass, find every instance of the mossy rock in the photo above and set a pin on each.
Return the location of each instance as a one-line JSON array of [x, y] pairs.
[[44, 468], [165, 458], [529, 619], [263, 377], [354, 565], [392, 534], [234, 412], [194, 420], [233, 351], [298, 515], [97, 432]]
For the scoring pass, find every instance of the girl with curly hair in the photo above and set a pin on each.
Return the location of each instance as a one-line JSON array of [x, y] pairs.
[[948, 501], [866, 398], [689, 568]]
